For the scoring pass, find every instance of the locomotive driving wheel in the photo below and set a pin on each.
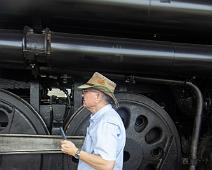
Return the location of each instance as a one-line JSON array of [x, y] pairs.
[[18, 117], [152, 139]]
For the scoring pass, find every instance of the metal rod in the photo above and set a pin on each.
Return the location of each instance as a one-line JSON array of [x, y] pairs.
[[197, 126], [26, 144]]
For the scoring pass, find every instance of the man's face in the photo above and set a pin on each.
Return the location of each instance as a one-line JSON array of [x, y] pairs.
[[90, 97]]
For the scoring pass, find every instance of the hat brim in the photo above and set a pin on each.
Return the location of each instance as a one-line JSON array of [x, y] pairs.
[[85, 86], [114, 99]]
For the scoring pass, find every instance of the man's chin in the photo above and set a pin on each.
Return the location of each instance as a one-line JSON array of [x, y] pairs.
[[88, 108]]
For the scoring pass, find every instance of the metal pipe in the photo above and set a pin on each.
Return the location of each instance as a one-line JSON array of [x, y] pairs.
[[82, 52], [197, 126], [11, 47], [128, 55], [198, 117], [157, 13]]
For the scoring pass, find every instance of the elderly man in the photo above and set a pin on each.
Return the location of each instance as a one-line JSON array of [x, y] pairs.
[[105, 138]]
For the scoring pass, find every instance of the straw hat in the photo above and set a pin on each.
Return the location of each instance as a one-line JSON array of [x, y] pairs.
[[101, 83]]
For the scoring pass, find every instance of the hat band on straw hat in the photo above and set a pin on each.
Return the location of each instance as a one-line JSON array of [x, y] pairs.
[[106, 89]]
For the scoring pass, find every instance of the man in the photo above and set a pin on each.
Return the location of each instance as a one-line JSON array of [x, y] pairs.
[[105, 138]]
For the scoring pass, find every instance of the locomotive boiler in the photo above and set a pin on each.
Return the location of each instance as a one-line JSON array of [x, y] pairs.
[[159, 52]]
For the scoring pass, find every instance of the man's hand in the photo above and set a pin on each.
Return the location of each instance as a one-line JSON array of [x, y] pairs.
[[68, 147], [93, 160]]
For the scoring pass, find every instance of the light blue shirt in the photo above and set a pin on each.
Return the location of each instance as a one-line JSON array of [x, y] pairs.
[[105, 137]]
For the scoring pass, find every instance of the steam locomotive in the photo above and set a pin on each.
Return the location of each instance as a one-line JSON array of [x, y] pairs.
[[159, 52]]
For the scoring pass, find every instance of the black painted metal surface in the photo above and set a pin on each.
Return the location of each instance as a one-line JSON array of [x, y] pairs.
[[116, 17], [82, 52], [152, 138]]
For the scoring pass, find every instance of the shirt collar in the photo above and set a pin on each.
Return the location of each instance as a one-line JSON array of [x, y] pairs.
[[98, 114]]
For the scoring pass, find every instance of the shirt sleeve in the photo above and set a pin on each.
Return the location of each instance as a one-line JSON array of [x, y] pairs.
[[107, 140]]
